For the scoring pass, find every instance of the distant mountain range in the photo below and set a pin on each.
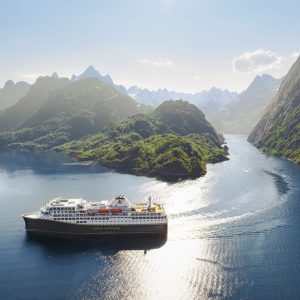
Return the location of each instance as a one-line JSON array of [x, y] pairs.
[[12, 92], [278, 131], [229, 112], [207, 101], [246, 109]]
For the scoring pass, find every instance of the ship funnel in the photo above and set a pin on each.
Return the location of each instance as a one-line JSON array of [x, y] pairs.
[[149, 202]]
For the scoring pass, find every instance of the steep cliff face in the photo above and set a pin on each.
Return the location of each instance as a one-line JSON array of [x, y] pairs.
[[278, 132]]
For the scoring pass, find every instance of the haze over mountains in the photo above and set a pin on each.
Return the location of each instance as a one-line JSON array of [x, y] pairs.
[[243, 113], [57, 110], [14, 116], [206, 100], [12, 92], [229, 112], [91, 72]]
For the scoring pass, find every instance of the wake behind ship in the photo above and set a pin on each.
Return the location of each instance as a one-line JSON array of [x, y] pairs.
[[82, 219]]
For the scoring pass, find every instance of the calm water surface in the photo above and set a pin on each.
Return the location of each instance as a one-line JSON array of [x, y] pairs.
[[234, 234]]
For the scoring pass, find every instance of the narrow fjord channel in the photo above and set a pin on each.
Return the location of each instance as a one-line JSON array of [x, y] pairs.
[[233, 234]]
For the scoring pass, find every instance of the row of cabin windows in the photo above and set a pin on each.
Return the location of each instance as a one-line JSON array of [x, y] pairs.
[[133, 217], [66, 214], [155, 217], [62, 208], [84, 220], [66, 217], [59, 218]]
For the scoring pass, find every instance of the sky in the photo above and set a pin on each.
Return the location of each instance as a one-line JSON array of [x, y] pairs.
[[183, 45]]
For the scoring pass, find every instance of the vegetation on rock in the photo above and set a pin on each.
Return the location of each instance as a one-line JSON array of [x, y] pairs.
[[278, 132], [174, 142], [56, 111]]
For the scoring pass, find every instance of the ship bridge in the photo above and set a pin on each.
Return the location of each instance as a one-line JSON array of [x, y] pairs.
[[120, 202]]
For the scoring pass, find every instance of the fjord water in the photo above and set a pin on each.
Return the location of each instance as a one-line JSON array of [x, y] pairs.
[[233, 234]]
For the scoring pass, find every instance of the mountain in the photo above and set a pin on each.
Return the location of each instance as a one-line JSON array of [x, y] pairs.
[[206, 100], [174, 142], [91, 72], [71, 111], [185, 118], [12, 92], [221, 97], [14, 116], [209, 101], [278, 131], [243, 113]]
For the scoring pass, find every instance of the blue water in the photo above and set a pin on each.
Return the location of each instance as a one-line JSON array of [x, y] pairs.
[[233, 234]]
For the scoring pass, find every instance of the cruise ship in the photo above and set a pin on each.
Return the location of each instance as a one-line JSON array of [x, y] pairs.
[[82, 219]]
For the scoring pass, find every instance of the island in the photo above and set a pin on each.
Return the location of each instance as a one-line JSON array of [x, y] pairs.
[[174, 142]]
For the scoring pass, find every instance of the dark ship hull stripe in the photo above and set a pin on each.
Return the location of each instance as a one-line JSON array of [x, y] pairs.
[[71, 230]]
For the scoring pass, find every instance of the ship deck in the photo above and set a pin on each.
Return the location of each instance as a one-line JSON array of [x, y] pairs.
[[140, 207]]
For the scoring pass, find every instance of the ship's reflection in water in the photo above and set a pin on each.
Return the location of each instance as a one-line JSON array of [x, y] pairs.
[[56, 246]]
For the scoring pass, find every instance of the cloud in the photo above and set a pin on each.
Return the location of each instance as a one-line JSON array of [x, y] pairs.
[[256, 61], [143, 61], [160, 63], [156, 63], [197, 77], [296, 54]]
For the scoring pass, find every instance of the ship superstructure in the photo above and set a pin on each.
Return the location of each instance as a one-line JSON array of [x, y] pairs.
[[82, 218]]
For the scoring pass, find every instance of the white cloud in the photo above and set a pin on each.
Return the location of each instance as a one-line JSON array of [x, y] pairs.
[[296, 54], [161, 63], [197, 77], [256, 61], [143, 60], [156, 63]]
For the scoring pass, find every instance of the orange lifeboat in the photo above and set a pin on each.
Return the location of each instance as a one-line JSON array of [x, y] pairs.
[[103, 211], [116, 211]]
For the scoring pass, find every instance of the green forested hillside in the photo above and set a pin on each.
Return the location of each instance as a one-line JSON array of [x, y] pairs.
[[173, 142], [70, 112]]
